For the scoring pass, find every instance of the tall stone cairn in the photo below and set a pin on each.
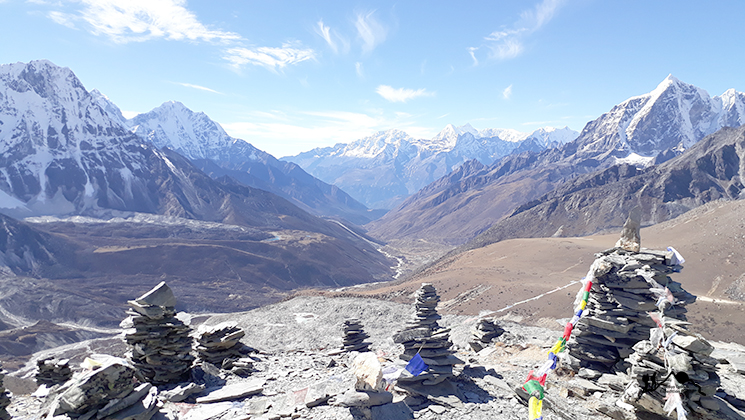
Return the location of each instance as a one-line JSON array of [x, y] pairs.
[[354, 336], [4, 398], [627, 284], [160, 344], [423, 335]]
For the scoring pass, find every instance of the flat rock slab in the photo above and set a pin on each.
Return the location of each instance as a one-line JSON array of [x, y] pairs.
[[233, 392], [392, 411]]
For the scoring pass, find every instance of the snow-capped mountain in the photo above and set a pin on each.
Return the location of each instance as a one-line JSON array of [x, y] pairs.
[[59, 150], [640, 131], [383, 169], [202, 140], [673, 116]]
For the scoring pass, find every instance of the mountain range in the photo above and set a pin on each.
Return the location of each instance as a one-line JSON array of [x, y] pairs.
[[203, 141], [62, 155], [641, 131], [385, 168]]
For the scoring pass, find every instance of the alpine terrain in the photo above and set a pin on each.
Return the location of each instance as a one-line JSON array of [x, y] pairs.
[[110, 212], [383, 169], [640, 131]]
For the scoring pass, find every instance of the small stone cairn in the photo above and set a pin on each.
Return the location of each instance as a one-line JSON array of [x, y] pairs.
[[108, 390], [673, 371], [220, 345], [483, 333], [4, 398], [627, 283], [160, 342], [53, 371], [423, 335], [354, 337]]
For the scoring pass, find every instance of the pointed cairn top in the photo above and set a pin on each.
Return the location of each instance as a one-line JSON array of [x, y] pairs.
[[631, 239], [155, 304]]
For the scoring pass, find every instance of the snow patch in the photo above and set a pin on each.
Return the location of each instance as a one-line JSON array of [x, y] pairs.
[[636, 160]]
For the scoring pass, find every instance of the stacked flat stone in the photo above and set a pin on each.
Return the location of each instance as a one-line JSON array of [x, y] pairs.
[[53, 371], [483, 333], [160, 343], [423, 335], [676, 364], [354, 336], [626, 286], [221, 345], [4, 398], [109, 391]]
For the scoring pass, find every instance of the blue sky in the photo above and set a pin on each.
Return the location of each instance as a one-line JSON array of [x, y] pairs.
[[289, 76]]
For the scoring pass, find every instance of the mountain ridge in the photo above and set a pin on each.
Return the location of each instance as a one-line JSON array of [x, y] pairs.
[[456, 212], [383, 169]]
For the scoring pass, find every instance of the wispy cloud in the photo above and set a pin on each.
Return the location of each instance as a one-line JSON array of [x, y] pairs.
[[507, 92], [507, 43], [64, 19], [336, 42], [142, 20], [372, 32], [271, 58], [206, 89], [401, 94], [359, 70]]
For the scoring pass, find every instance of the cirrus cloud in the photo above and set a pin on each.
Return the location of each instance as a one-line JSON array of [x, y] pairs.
[[507, 43], [271, 58], [401, 94]]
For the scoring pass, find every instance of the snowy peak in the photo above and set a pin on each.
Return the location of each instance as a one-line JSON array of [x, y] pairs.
[[175, 126], [673, 116], [109, 107], [388, 142]]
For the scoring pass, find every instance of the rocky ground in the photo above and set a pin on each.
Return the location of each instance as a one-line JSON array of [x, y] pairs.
[[298, 360]]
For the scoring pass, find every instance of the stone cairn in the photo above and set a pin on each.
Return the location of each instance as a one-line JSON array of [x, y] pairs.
[[53, 371], [672, 370], [161, 344], [627, 283], [483, 333], [220, 345], [4, 398], [423, 335], [354, 337], [108, 390]]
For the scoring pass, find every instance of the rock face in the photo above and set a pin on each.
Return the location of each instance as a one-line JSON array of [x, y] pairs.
[[626, 286], [354, 336], [161, 345], [708, 171], [53, 371], [424, 336]]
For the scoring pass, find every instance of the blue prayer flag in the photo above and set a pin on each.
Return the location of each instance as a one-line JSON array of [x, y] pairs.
[[416, 365]]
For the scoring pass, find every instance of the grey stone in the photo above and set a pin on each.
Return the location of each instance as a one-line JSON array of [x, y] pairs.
[[693, 344], [233, 392], [160, 295], [392, 411], [353, 398]]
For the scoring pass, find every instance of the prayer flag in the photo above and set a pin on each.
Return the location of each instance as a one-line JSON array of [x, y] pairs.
[[416, 365]]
